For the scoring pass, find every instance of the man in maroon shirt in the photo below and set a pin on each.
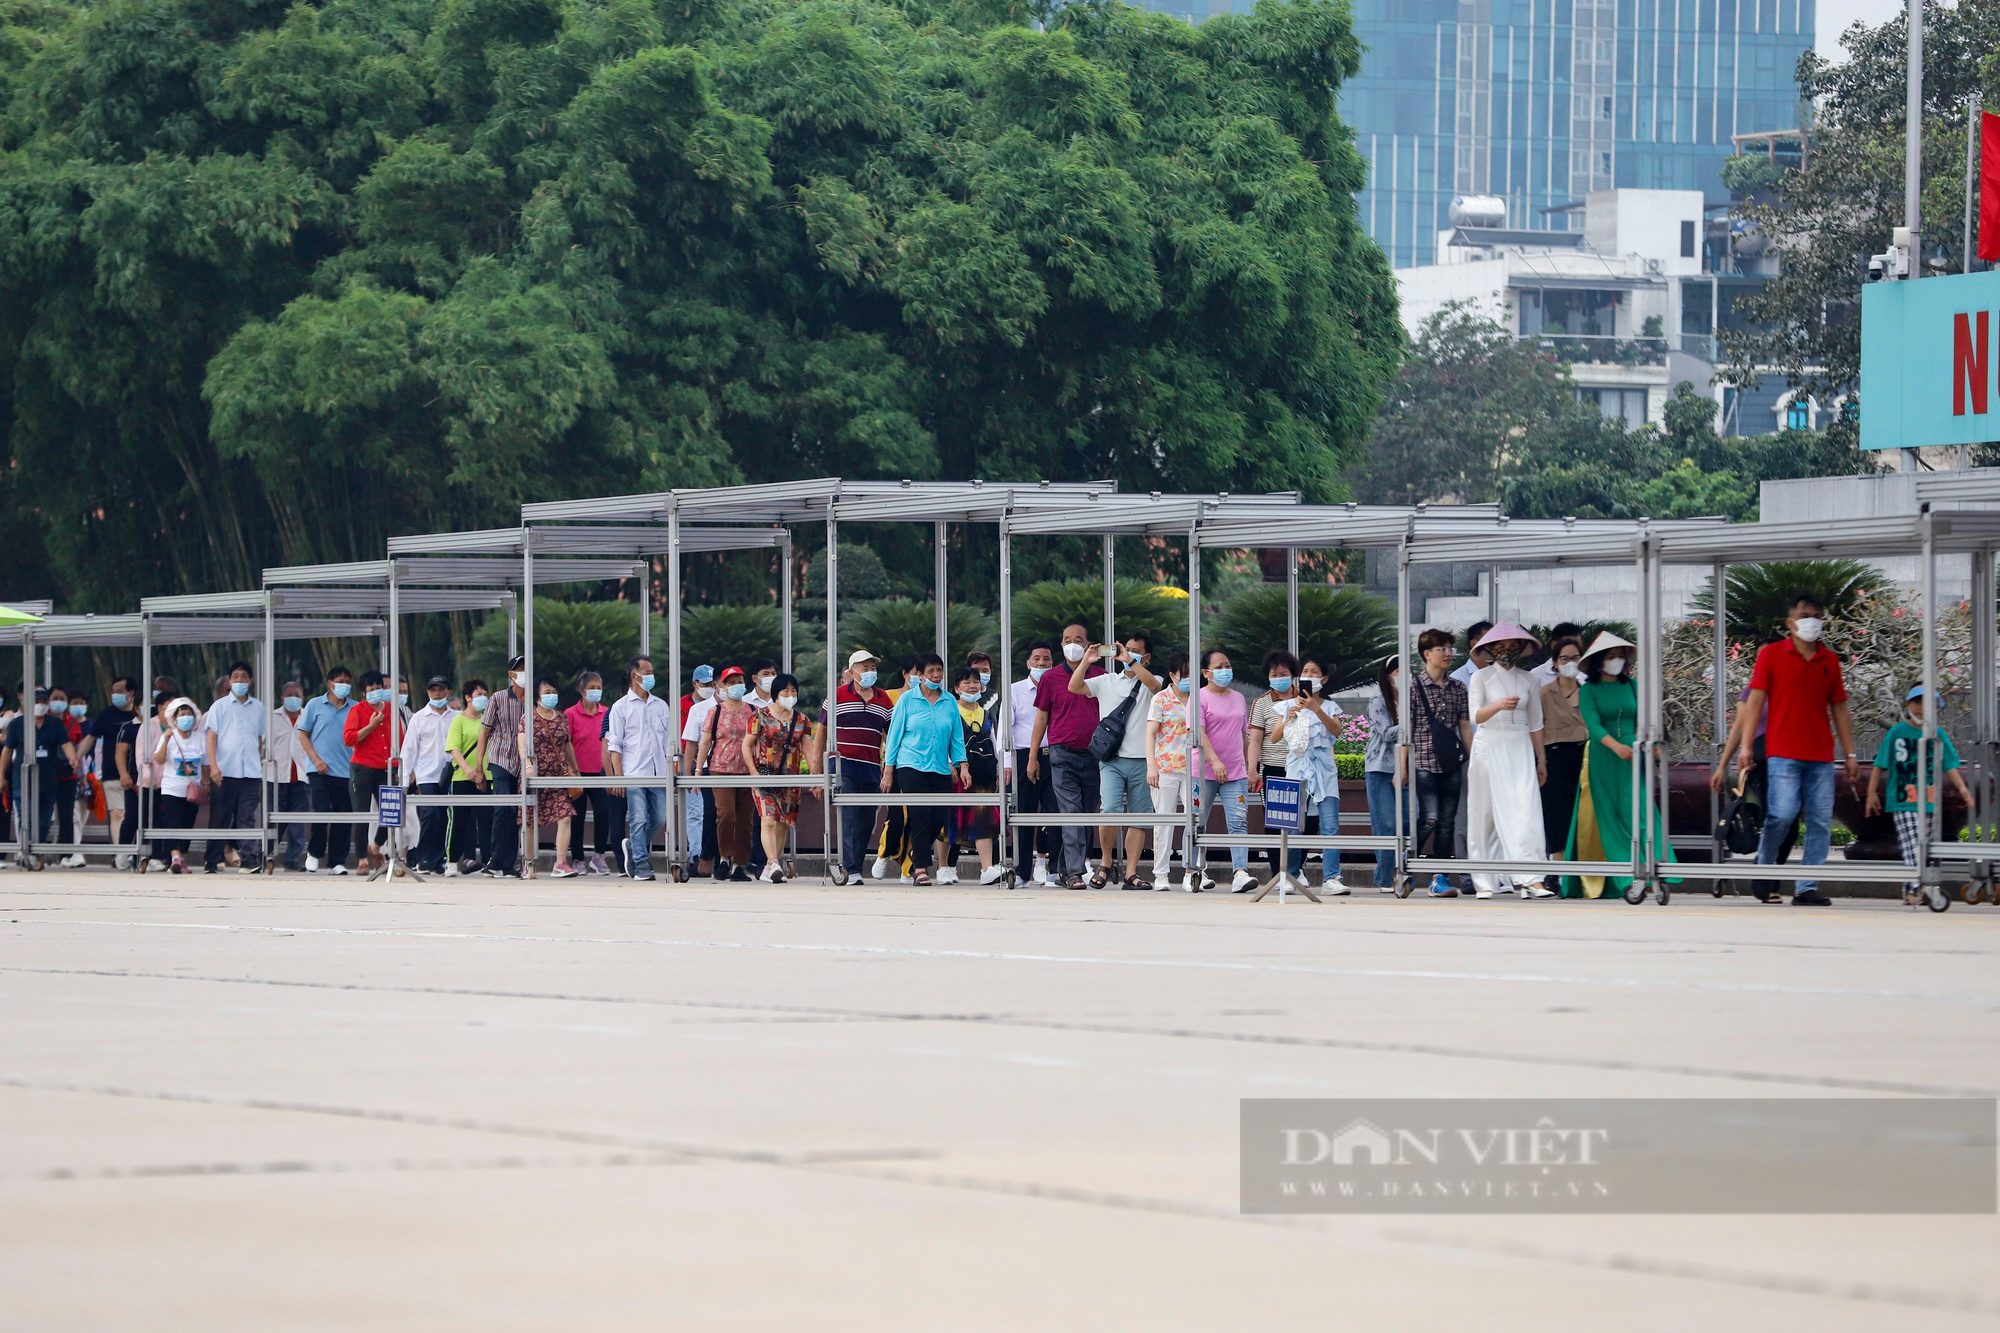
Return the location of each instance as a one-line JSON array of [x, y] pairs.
[[1801, 682], [1066, 721]]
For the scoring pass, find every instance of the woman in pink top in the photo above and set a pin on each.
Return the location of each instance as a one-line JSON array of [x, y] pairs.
[[587, 718], [1223, 716]]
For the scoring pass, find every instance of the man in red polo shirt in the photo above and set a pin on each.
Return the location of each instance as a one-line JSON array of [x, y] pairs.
[[1801, 682], [1066, 722]]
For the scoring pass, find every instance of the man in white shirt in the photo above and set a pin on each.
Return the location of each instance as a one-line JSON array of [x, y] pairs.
[[289, 770], [1122, 778], [1030, 797], [236, 730], [639, 743], [424, 765], [1545, 674], [699, 803]]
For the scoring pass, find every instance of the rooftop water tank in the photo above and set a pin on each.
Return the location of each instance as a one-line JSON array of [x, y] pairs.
[[1478, 210]]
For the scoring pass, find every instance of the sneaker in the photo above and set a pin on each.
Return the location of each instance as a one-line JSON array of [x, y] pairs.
[[337, 869], [451, 871], [947, 875], [1538, 890], [771, 875], [74, 861], [210, 870], [1482, 893], [1041, 875], [564, 870], [906, 879], [1333, 888], [723, 870], [494, 872], [312, 865], [249, 870], [1811, 898], [1441, 887], [121, 862], [598, 865], [644, 878], [992, 874], [1243, 882], [742, 875], [881, 868], [471, 865], [156, 864], [1385, 888], [179, 867]]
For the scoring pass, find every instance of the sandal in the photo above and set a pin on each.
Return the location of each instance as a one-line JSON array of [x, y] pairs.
[[921, 877], [1099, 879], [1139, 882]]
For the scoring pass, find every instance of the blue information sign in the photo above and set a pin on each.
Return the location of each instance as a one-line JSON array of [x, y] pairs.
[[1281, 805], [1929, 368], [389, 806]]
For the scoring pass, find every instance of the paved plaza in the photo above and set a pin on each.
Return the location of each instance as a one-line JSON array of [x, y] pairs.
[[236, 1103]]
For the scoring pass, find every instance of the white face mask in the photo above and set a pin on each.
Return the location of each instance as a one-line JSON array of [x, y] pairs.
[[1073, 652], [764, 684], [519, 678], [1569, 670], [788, 701], [704, 691], [1810, 628], [1615, 667]]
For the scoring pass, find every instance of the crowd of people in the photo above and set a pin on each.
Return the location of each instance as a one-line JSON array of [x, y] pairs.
[[1507, 764]]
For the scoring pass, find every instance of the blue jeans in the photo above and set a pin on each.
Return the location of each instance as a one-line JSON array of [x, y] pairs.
[[1328, 810], [1235, 795], [645, 811], [1795, 787], [45, 802], [1382, 822], [857, 778]]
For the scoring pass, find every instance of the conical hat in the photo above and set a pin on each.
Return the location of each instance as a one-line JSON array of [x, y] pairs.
[[1504, 631], [1606, 639]]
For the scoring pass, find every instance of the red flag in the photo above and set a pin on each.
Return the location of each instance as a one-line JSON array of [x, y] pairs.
[[1989, 186]]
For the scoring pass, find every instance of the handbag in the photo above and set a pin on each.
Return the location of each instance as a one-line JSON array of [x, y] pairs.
[[198, 793], [1743, 819], [784, 757], [1110, 733], [1447, 746], [980, 759]]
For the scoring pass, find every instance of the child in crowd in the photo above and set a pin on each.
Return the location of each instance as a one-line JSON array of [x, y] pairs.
[[1897, 756]]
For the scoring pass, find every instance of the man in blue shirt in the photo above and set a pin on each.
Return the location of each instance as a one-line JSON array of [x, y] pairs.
[[236, 727], [322, 735], [924, 748]]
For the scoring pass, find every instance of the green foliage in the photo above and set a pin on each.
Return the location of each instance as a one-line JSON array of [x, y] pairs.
[[1347, 630], [724, 636], [283, 282], [569, 637], [1760, 596], [1752, 175], [863, 578], [1043, 610], [895, 627]]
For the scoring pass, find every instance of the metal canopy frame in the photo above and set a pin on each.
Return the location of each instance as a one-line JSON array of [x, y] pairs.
[[53, 631]]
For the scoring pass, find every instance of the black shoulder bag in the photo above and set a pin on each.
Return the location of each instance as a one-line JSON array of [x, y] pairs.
[[1110, 733]]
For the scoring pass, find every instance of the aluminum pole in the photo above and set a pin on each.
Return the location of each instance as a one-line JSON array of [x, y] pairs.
[[1641, 847], [1971, 175], [1197, 863], [1927, 743], [530, 828], [142, 763], [939, 591], [831, 749], [398, 776], [1913, 134], [1292, 600], [1003, 730], [1719, 665], [1985, 706], [27, 819], [1401, 776], [646, 609], [671, 820], [1110, 593], [784, 604], [266, 789]]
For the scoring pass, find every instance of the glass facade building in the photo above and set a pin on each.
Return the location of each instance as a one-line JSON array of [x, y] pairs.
[[1539, 102]]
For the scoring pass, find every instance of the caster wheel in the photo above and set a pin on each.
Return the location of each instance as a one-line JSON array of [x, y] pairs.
[[1719, 886], [1937, 899], [1665, 894], [680, 874], [1403, 886], [1011, 880], [1635, 893], [837, 874]]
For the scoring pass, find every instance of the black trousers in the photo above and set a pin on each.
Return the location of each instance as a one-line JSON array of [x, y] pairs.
[[429, 854], [293, 796], [329, 842], [504, 832], [175, 812], [66, 809], [466, 827], [1437, 812], [1565, 763], [1031, 798], [607, 815], [234, 805], [924, 822]]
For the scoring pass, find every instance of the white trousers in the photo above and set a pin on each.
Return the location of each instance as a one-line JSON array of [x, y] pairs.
[[1503, 805], [1170, 797]]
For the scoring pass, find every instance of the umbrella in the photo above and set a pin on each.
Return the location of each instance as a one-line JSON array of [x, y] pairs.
[[9, 616]]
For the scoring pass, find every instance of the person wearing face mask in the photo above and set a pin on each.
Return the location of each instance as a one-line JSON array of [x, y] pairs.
[[588, 721], [554, 756], [1601, 829], [1382, 764], [858, 723], [1503, 780], [893, 846], [924, 750], [639, 743], [1305, 734], [778, 744], [696, 705], [66, 771], [366, 731], [100, 746], [1897, 757], [974, 825], [1799, 680], [981, 665], [323, 732], [52, 748], [722, 753], [1440, 737], [180, 757], [1123, 692], [1563, 739], [1066, 719], [1168, 747], [425, 767], [236, 730], [762, 674], [1222, 723], [89, 803], [467, 827], [1032, 795], [1281, 671], [500, 744], [289, 770], [1550, 670]]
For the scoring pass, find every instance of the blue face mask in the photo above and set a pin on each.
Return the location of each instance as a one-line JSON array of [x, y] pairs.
[[478, 703], [646, 682], [1221, 676], [378, 696], [185, 722], [118, 700], [1184, 684], [1279, 684], [293, 703], [548, 701], [737, 691], [985, 679], [341, 689], [440, 704], [402, 698], [970, 695], [78, 710], [868, 680], [593, 696], [1035, 674], [240, 688], [932, 685]]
